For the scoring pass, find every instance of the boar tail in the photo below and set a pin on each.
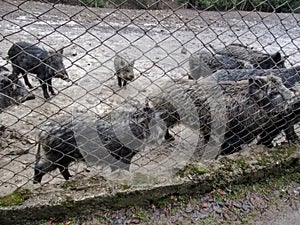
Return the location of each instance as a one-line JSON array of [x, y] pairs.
[[38, 148], [38, 152]]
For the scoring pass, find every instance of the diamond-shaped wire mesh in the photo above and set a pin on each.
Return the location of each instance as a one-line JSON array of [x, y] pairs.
[[144, 90]]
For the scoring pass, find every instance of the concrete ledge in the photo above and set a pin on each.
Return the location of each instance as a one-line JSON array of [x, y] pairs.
[[73, 199]]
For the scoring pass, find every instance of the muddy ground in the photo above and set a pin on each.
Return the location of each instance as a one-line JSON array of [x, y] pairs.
[[91, 37]]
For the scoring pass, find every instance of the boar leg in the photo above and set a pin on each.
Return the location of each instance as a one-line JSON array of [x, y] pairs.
[[124, 83], [190, 77], [291, 135], [168, 136], [15, 73], [45, 92], [41, 169], [25, 76], [65, 172], [50, 88], [120, 81], [266, 137]]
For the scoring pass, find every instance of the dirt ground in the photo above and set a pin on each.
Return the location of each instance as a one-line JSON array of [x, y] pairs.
[[272, 201], [91, 37]]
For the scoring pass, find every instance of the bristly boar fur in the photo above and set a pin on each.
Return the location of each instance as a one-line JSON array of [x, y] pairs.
[[203, 64], [58, 144], [256, 58], [29, 58], [290, 78], [124, 69], [250, 105]]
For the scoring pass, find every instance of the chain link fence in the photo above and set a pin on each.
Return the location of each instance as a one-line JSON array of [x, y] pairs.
[[142, 91]]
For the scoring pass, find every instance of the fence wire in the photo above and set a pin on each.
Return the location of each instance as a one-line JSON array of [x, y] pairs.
[[127, 87]]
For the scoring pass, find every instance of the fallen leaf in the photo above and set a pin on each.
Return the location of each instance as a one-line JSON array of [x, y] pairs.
[[205, 205], [135, 220], [67, 223], [221, 192]]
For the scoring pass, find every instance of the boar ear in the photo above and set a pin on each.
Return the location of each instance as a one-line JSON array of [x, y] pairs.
[[10, 76], [160, 113], [123, 63], [251, 85], [276, 57], [285, 57], [257, 89], [255, 85], [60, 51], [5, 81], [51, 52], [271, 77]]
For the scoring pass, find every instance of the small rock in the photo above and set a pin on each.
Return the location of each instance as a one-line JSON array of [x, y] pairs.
[[135, 220], [119, 221], [189, 209], [4, 145], [30, 141], [276, 193], [220, 203], [226, 216], [198, 215], [246, 206], [266, 198], [205, 205], [237, 205], [128, 213], [19, 152], [217, 209], [228, 190]]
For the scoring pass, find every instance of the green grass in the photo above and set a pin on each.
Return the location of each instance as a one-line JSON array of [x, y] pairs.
[[249, 5], [242, 164], [93, 3], [191, 169], [142, 214], [126, 186], [15, 198]]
